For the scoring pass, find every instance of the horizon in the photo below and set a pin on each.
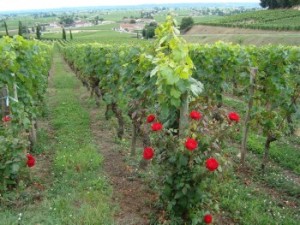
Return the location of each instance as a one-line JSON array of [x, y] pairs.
[[17, 6]]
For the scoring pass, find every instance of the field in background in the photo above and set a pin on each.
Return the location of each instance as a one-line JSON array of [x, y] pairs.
[[105, 31], [211, 34], [246, 198], [279, 19]]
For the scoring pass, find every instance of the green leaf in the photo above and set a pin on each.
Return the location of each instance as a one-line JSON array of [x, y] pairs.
[[183, 160], [15, 168], [175, 93], [196, 87]]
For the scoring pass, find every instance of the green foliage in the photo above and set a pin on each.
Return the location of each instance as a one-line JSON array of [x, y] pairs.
[[6, 29], [273, 4], [66, 20], [76, 189], [173, 66], [182, 179], [279, 19], [38, 32], [186, 23], [64, 35], [20, 31], [156, 80], [217, 65], [24, 71], [149, 30]]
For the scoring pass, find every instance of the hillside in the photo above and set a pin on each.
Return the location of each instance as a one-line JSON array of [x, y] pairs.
[[211, 34], [279, 19]]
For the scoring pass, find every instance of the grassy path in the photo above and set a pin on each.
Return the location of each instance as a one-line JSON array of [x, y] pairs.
[[68, 184]]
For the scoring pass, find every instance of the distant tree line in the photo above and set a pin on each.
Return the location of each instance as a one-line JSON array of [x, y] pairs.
[[274, 4], [67, 20]]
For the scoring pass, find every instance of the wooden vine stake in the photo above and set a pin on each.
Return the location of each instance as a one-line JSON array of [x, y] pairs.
[[253, 73], [184, 120], [4, 101]]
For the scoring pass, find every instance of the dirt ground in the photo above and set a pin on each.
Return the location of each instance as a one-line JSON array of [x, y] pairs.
[[130, 194], [211, 34], [200, 29]]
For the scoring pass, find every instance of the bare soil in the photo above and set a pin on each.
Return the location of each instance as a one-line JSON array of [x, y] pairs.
[[211, 34], [201, 29], [130, 194]]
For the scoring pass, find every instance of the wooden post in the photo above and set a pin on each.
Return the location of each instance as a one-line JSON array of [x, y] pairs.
[[32, 133], [5, 101], [184, 111], [134, 138], [16, 92], [253, 73]]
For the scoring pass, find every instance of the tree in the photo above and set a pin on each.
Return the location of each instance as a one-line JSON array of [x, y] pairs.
[[64, 36], [66, 20], [20, 32], [38, 32], [71, 35], [6, 30], [22, 29], [132, 21], [96, 20], [186, 23], [149, 30], [273, 4]]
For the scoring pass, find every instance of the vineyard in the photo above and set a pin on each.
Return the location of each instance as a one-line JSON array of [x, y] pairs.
[[146, 84], [265, 19], [23, 82], [182, 114]]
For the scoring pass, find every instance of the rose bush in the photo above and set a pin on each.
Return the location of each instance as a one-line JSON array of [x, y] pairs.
[[191, 144], [195, 115], [183, 176], [212, 164], [233, 116], [207, 218], [6, 119], [148, 153], [156, 126], [30, 160], [150, 118]]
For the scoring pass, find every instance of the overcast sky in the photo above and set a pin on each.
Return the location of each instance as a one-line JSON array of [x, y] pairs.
[[8, 5]]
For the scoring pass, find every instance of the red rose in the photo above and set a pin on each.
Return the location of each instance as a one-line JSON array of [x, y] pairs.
[[156, 126], [191, 144], [207, 218], [6, 119], [233, 116], [148, 153], [195, 115], [212, 164], [150, 118], [30, 160]]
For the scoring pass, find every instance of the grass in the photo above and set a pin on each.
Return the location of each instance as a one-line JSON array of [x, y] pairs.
[[249, 205], [275, 177], [99, 36], [77, 192], [283, 151]]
